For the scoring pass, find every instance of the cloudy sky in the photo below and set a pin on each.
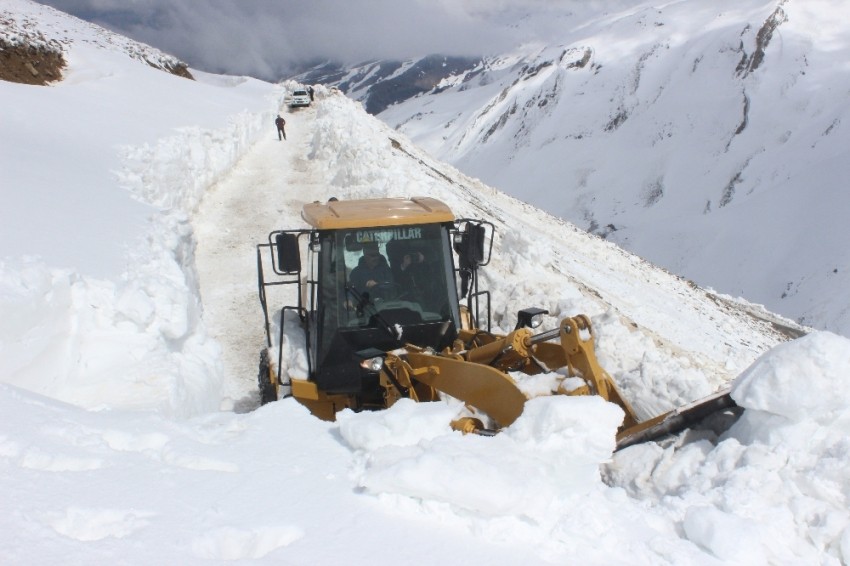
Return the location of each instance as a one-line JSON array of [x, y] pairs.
[[271, 38]]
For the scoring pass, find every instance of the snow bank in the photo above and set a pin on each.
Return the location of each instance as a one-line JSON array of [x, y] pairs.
[[550, 455], [138, 342], [537, 483], [807, 379], [123, 326], [797, 427], [778, 478], [101, 344], [175, 172]]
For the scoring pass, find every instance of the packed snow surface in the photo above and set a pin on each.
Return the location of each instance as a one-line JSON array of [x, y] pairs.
[[131, 427]]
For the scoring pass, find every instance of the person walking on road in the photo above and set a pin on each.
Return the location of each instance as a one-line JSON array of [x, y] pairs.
[[280, 123]]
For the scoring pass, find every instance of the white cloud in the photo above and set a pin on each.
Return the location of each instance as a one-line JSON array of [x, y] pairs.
[[267, 38]]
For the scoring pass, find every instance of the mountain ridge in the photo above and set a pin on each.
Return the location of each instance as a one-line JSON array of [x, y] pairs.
[[708, 140]]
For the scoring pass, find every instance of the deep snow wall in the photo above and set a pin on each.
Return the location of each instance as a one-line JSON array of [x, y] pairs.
[[97, 279], [64, 331]]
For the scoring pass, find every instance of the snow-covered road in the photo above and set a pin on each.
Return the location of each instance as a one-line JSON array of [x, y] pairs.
[[262, 193]]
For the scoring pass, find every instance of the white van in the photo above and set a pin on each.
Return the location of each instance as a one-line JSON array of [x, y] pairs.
[[299, 98]]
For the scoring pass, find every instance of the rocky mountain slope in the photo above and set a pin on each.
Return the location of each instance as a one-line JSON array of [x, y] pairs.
[[34, 41]]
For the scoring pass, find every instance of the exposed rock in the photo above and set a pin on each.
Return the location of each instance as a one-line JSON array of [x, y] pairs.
[[503, 119], [178, 68], [729, 190], [617, 120], [577, 63], [36, 64], [750, 63], [34, 52]]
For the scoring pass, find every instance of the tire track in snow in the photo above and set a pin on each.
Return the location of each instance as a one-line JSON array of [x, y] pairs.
[[263, 192]]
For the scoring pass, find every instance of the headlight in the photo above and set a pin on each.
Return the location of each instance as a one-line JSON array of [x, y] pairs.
[[530, 318], [373, 364]]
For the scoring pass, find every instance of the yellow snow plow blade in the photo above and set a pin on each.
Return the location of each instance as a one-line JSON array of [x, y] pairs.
[[480, 386], [676, 420], [478, 375], [476, 369]]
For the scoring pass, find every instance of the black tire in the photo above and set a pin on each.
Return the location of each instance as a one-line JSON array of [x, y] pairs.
[[268, 389]]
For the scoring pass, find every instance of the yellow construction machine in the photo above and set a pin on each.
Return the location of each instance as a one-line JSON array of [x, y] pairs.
[[389, 306]]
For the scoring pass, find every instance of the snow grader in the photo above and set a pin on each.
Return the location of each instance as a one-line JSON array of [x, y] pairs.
[[389, 307]]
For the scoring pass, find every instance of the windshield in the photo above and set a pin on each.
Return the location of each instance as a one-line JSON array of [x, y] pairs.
[[388, 281]]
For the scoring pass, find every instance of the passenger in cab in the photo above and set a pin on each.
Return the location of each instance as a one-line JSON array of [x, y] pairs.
[[410, 270], [371, 270]]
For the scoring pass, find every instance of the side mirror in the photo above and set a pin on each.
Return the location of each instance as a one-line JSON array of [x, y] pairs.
[[472, 244], [288, 254]]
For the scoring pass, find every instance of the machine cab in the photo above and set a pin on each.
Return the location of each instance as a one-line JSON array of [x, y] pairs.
[[379, 288], [380, 275]]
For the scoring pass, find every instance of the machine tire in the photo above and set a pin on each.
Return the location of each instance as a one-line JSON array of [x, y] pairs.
[[268, 389]]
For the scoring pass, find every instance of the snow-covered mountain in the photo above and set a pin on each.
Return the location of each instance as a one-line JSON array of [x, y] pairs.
[[379, 84], [708, 137], [131, 430]]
